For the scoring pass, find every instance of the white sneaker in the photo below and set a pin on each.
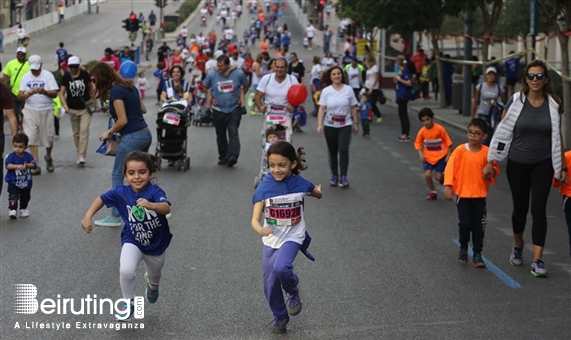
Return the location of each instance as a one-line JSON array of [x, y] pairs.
[[80, 160], [24, 213], [13, 214]]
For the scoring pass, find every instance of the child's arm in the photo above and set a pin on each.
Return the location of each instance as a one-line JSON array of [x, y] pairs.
[[257, 217], [87, 223], [162, 208], [316, 192], [495, 173], [421, 155], [15, 166]]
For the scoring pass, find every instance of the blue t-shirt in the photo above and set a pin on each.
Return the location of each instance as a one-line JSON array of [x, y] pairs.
[[132, 101], [21, 179], [511, 68], [364, 110], [146, 229], [226, 91], [61, 54], [286, 39], [401, 89]]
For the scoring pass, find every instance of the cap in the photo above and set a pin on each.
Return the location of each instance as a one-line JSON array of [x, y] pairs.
[[491, 69], [218, 54], [73, 61], [232, 50], [21, 49], [35, 62]]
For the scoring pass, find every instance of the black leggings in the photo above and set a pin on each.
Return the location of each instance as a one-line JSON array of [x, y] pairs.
[[373, 99], [338, 140], [403, 116], [535, 179]]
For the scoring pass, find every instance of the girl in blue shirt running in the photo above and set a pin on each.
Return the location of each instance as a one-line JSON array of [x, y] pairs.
[[143, 207], [280, 199]]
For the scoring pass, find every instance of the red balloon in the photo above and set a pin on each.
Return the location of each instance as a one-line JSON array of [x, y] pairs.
[[296, 95]]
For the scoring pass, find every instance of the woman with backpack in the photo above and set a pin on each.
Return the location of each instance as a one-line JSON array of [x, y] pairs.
[[489, 98]]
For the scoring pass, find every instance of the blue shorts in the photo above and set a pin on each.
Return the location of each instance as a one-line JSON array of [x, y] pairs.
[[438, 167]]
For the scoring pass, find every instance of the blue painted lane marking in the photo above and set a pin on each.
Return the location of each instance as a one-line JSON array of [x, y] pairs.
[[505, 278]]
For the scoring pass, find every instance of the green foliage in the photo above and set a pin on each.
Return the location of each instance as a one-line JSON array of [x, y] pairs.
[[170, 27], [186, 8], [514, 20]]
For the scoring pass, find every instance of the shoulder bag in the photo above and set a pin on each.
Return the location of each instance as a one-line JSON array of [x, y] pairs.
[[109, 146]]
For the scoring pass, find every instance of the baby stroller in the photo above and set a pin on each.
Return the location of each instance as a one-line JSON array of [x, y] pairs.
[[278, 121], [173, 120]]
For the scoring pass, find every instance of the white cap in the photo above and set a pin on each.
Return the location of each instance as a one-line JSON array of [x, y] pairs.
[[35, 62], [491, 69], [21, 49], [218, 54], [73, 61]]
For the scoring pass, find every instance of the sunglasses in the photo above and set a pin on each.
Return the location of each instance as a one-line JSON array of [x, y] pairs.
[[538, 76], [73, 66]]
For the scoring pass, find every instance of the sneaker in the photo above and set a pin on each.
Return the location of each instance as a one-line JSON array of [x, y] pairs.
[[297, 129], [293, 304], [24, 213], [477, 261], [432, 196], [343, 183], [379, 120], [223, 162], [152, 294], [463, 255], [334, 181], [56, 137], [49, 163], [516, 258], [403, 138], [280, 326], [109, 222], [13, 214], [231, 161], [122, 315], [538, 268], [80, 160]]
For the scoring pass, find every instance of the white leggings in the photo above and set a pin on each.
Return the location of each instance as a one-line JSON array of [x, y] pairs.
[[130, 258]]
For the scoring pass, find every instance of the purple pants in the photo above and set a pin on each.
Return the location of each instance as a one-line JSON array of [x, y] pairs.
[[278, 275]]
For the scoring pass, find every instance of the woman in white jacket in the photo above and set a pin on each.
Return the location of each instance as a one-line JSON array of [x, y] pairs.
[[529, 135]]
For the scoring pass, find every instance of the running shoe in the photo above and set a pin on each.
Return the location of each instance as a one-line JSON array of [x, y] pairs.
[[152, 294], [334, 181], [477, 261], [403, 138], [109, 221], [463, 255], [379, 120], [126, 312], [231, 161], [538, 268], [49, 163], [24, 213], [432, 196], [13, 214], [343, 183], [280, 326], [293, 304], [516, 258]]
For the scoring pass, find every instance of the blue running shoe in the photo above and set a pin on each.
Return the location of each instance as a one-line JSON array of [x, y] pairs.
[[152, 294], [334, 181]]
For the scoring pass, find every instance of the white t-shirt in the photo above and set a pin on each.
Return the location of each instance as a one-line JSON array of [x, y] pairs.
[[274, 92], [284, 229], [224, 13], [200, 40], [354, 75], [184, 32], [39, 102], [203, 12], [210, 65], [370, 78], [316, 72], [310, 31], [239, 63], [228, 34], [327, 62], [338, 105]]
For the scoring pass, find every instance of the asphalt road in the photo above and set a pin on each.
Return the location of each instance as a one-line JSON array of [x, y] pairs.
[[385, 257]]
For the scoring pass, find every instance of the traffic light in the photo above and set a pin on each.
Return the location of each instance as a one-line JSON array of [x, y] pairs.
[[127, 25], [321, 5], [161, 3], [134, 25]]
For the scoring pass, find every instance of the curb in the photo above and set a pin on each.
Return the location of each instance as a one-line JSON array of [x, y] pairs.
[[172, 36]]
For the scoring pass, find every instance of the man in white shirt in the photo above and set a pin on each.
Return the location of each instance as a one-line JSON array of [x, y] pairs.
[[310, 33], [38, 88], [223, 16], [228, 34], [184, 33]]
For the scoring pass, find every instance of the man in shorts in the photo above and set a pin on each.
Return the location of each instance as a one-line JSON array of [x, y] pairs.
[[38, 88]]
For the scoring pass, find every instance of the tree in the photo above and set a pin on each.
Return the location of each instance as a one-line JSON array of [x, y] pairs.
[[559, 14], [491, 10], [364, 12]]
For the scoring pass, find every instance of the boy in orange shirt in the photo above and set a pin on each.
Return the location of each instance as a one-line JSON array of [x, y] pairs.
[[565, 191], [434, 146], [464, 176]]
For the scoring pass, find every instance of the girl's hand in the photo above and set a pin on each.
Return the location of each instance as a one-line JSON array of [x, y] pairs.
[[319, 129], [104, 136], [142, 202], [265, 231], [87, 225], [318, 188]]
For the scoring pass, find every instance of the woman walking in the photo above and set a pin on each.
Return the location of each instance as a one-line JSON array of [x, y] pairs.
[[402, 88]]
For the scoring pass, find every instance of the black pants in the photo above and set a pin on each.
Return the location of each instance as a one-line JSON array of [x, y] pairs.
[[471, 220], [424, 87], [403, 116], [435, 88], [366, 126], [16, 194], [338, 140], [374, 99], [227, 138], [534, 179], [56, 125], [567, 209]]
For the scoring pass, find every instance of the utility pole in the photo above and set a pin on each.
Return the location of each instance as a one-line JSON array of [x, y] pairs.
[[467, 90], [533, 11]]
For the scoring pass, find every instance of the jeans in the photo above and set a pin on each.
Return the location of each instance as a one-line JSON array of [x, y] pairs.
[[136, 141], [338, 140], [226, 125], [534, 179], [471, 219], [278, 274], [403, 116]]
